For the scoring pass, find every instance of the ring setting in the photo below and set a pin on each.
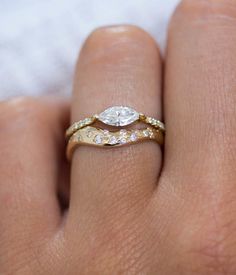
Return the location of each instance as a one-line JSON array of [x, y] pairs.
[[116, 116], [84, 133]]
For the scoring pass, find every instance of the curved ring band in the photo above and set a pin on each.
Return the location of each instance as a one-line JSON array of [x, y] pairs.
[[116, 116], [103, 138]]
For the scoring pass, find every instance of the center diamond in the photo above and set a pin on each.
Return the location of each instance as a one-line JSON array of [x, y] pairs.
[[118, 116]]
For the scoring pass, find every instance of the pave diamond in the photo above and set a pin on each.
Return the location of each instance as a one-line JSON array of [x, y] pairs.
[[98, 139], [146, 133], [122, 140], [89, 133], [133, 137], [118, 116], [106, 132], [123, 132], [113, 140]]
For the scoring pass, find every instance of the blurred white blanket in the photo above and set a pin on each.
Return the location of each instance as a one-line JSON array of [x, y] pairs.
[[40, 40]]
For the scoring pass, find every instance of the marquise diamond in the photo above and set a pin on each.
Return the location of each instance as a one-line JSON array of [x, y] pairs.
[[119, 116]]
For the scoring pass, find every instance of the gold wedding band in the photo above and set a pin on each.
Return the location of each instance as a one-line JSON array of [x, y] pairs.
[[103, 138], [82, 133]]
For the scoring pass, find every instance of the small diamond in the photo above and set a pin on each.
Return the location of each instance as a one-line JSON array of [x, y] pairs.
[[80, 124], [112, 140], [122, 140], [106, 132], [123, 132], [153, 121], [133, 137], [79, 137], [146, 133], [151, 134], [89, 133], [98, 139], [87, 121], [161, 125], [106, 137]]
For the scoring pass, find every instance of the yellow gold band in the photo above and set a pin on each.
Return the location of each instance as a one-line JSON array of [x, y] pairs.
[[103, 138]]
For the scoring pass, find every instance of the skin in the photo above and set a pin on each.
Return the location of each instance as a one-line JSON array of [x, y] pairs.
[[137, 209]]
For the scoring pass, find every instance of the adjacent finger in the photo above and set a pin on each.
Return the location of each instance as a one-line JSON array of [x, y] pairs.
[[31, 145], [200, 97], [198, 179]]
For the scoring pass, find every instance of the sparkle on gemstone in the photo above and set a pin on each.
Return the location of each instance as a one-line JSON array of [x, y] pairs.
[[151, 134], [118, 116], [123, 132], [150, 120], [89, 133], [80, 124], [146, 133], [87, 120], [106, 132], [112, 140], [133, 137], [122, 140], [98, 139]]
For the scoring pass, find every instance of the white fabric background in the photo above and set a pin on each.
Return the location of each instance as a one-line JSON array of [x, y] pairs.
[[40, 40]]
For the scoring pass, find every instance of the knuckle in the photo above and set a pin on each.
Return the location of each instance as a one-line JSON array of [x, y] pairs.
[[120, 41], [22, 111], [25, 105]]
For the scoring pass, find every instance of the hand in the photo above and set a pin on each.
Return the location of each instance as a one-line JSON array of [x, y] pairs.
[[135, 209]]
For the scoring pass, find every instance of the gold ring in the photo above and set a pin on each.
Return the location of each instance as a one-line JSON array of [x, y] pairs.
[[82, 133], [103, 138], [116, 116]]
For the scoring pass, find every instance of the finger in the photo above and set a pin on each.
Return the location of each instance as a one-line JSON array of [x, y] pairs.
[[117, 66], [200, 152], [31, 145], [200, 97]]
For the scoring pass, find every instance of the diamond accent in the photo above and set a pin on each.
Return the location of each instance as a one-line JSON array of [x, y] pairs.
[[98, 139], [89, 133], [151, 134], [156, 123], [118, 116], [123, 132], [87, 120], [122, 140], [133, 137], [112, 140], [106, 132], [146, 133]]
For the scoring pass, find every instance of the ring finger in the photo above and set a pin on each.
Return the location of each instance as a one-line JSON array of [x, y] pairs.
[[117, 66]]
